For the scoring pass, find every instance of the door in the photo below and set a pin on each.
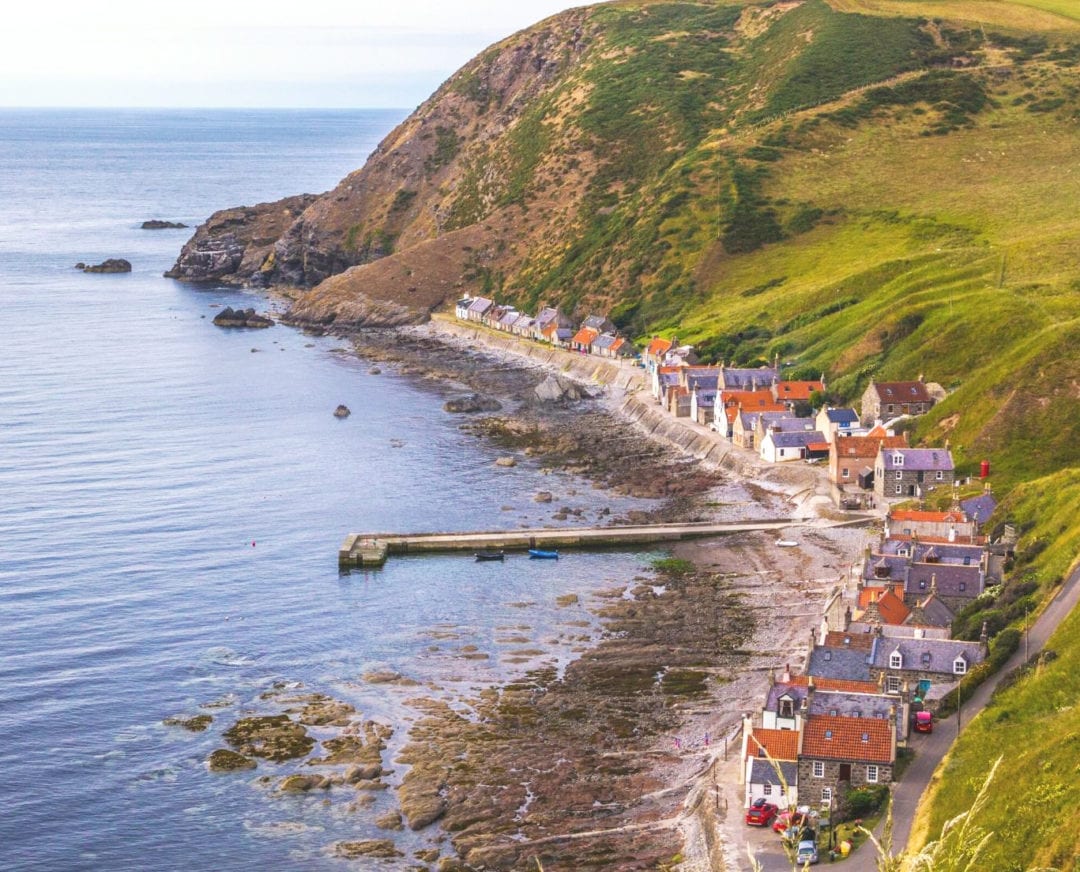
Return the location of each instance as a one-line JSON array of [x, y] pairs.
[[845, 772]]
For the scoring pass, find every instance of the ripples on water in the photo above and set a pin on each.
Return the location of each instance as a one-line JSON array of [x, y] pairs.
[[173, 502]]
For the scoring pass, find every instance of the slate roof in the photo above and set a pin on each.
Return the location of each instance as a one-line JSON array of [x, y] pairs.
[[780, 744], [950, 579], [927, 655], [787, 423], [917, 459], [796, 439], [854, 705], [931, 612], [903, 392], [546, 316], [481, 305], [742, 379], [764, 772], [842, 416], [797, 692], [946, 552], [702, 380], [839, 663], [866, 740], [979, 508], [604, 341]]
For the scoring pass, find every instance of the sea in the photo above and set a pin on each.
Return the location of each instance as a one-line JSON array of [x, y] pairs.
[[173, 495]]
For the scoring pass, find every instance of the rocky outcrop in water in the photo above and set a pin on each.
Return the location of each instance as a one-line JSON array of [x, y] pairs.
[[157, 224], [230, 317], [112, 265], [235, 246], [472, 403]]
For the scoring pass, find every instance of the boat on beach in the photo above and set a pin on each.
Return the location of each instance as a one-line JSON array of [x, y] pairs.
[[482, 556], [787, 543], [539, 554]]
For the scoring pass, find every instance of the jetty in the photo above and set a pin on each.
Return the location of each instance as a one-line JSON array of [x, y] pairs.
[[372, 549]]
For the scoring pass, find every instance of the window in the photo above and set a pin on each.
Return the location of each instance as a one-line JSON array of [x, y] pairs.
[[899, 489], [926, 658], [819, 769], [766, 789], [897, 459], [892, 685], [826, 794], [940, 475], [827, 655], [832, 713], [787, 708], [828, 734], [899, 475], [871, 774], [866, 737], [963, 586], [845, 472], [967, 561], [959, 666], [922, 584], [896, 660]]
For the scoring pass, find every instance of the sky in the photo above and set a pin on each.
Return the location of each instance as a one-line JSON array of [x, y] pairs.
[[247, 53]]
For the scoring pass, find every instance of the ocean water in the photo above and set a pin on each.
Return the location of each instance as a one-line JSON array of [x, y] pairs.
[[172, 496]]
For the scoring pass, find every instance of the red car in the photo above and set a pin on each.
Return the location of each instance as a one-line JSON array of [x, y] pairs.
[[760, 813], [924, 722], [793, 820]]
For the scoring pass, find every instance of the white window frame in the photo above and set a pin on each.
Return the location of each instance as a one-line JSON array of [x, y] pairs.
[[899, 475], [766, 789], [896, 660], [845, 473], [959, 666], [892, 684], [899, 489], [826, 795], [818, 769], [871, 774], [940, 475]]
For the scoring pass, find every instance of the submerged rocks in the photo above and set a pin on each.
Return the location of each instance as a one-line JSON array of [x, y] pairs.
[[112, 265], [342, 411], [379, 849], [196, 723], [224, 760], [273, 737], [472, 403], [505, 461], [157, 224], [230, 317]]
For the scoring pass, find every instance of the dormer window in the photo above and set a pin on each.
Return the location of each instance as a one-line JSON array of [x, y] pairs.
[[828, 655], [898, 459], [926, 658], [922, 584], [787, 708], [866, 737], [896, 660], [832, 713], [959, 666], [828, 734]]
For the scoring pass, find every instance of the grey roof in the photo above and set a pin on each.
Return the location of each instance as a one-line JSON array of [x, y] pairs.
[[741, 379], [845, 663], [564, 334], [796, 692], [596, 322], [509, 317], [946, 552], [897, 568], [926, 655], [764, 772], [950, 579], [842, 416], [798, 439], [481, 305], [524, 320], [702, 380], [917, 459], [979, 508], [668, 378], [931, 612], [604, 340], [546, 316]]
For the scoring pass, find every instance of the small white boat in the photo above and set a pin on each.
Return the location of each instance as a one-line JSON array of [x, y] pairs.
[[787, 543]]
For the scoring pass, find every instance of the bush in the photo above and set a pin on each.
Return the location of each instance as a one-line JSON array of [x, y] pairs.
[[865, 801]]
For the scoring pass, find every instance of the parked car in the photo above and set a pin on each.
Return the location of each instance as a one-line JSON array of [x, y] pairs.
[[924, 722], [807, 852], [789, 820], [761, 813]]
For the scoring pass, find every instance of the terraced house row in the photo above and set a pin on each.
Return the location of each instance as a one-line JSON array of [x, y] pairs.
[[883, 655]]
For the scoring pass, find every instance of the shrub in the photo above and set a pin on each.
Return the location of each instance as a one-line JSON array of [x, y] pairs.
[[865, 801]]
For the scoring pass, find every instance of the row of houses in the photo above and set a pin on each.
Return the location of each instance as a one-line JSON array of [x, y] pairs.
[[882, 652], [595, 335]]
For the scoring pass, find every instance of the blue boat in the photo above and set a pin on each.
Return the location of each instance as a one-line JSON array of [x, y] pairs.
[[537, 554]]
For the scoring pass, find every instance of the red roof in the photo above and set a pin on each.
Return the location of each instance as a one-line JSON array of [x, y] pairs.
[[838, 738], [797, 390], [752, 401], [836, 639], [928, 517], [779, 744], [585, 336], [843, 685], [868, 594], [658, 346], [892, 608], [867, 446], [818, 446]]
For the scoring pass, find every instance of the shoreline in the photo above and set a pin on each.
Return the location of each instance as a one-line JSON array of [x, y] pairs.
[[685, 777]]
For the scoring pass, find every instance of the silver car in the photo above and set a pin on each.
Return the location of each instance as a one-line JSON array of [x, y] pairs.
[[807, 852]]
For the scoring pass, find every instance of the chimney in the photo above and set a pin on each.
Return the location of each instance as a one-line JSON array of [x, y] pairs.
[[786, 677], [933, 582], [847, 617], [892, 734]]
